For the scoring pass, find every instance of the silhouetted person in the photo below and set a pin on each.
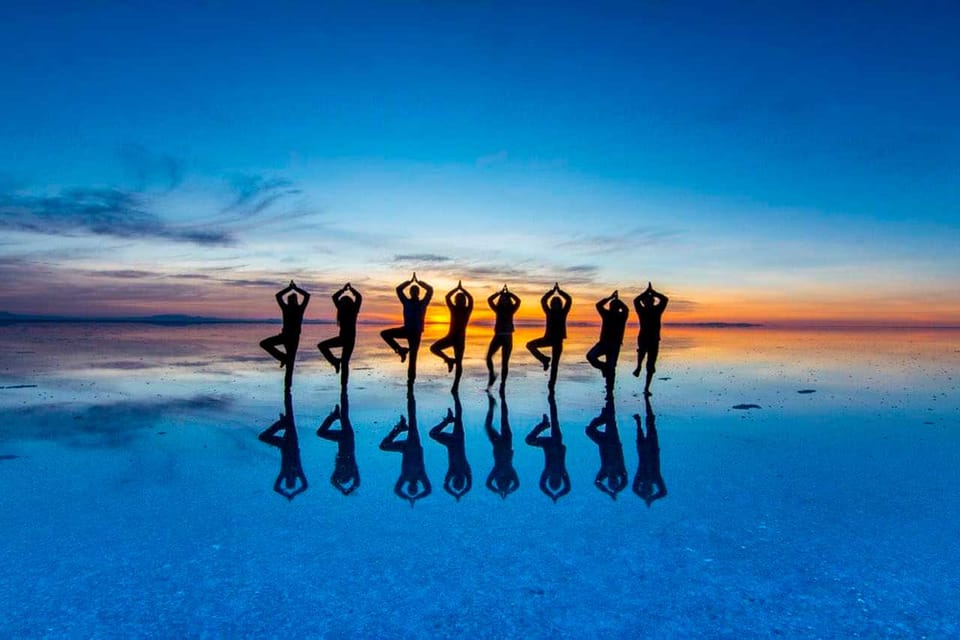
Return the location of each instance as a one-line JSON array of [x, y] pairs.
[[650, 306], [346, 475], [504, 304], [648, 483], [556, 305], [413, 484], [348, 307], [613, 314], [460, 303], [554, 481], [289, 336], [612, 476], [503, 479], [414, 313], [459, 479], [291, 479]]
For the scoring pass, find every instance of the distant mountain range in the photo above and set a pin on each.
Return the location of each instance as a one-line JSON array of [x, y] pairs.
[[183, 319]]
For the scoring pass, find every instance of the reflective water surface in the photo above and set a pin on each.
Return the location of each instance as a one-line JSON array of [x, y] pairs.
[[156, 481]]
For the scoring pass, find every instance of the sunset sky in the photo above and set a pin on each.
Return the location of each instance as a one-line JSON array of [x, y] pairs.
[[764, 162]]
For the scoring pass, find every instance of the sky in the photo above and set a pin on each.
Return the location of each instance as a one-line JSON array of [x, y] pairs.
[[775, 162]]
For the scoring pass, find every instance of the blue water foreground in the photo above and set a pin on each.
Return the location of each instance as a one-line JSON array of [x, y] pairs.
[[811, 482]]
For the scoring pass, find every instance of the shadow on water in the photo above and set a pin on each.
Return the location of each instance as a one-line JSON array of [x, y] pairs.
[[413, 484], [648, 483], [346, 474], [459, 479], [612, 477], [554, 481], [291, 480], [503, 479]]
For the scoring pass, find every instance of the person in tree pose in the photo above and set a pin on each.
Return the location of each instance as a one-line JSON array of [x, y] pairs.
[[347, 301], [650, 306], [556, 305], [346, 475], [459, 479], [648, 483], [291, 480], [414, 313], [504, 304], [460, 303], [612, 476], [413, 483], [554, 481], [289, 336], [503, 479], [613, 314]]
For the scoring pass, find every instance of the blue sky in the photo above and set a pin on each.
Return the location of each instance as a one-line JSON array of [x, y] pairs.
[[800, 158]]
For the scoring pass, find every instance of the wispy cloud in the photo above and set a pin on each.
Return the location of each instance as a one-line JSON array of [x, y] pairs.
[[148, 168], [421, 257], [256, 193], [99, 211]]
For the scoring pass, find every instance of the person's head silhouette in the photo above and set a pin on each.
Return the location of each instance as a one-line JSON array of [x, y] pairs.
[[460, 300], [556, 304], [414, 292], [292, 300]]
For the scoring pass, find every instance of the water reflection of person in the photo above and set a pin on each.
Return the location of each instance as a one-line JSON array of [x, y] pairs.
[[459, 479], [289, 336], [413, 483], [554, 481], [346, 474], [348, 308], [503, 479], [648, 483], [612, 476], [291, 479]]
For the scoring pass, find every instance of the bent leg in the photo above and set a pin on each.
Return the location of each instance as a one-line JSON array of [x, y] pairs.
[[534, 348], [270, 346], [437, 349], [390, 336], [326, 348], [593, 357]]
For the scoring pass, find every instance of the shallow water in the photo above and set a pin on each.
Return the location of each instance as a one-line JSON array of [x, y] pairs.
[[139, 500]]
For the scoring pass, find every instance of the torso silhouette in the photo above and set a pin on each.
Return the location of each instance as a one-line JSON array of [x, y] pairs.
[[650, 317], [347, 318], [556, 324], [459, 316], [293, 318], [504, 313], [414, 312], [614, 324]]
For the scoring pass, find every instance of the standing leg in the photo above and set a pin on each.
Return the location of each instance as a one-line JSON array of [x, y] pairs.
[[458, 349], [491, 351], [653, 351], [414, 342], [345, 355], [505, 360], [291, 358], [555, 364]]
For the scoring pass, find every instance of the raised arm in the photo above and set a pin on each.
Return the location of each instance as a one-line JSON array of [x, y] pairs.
[[427, 292], [339, 294], [514, 300], [545, 300], [303, 293], [469, 297], [567, 300], [492, 298], [279, 295], [603, 302], [661, 300], [356, 295], [402, 289]]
